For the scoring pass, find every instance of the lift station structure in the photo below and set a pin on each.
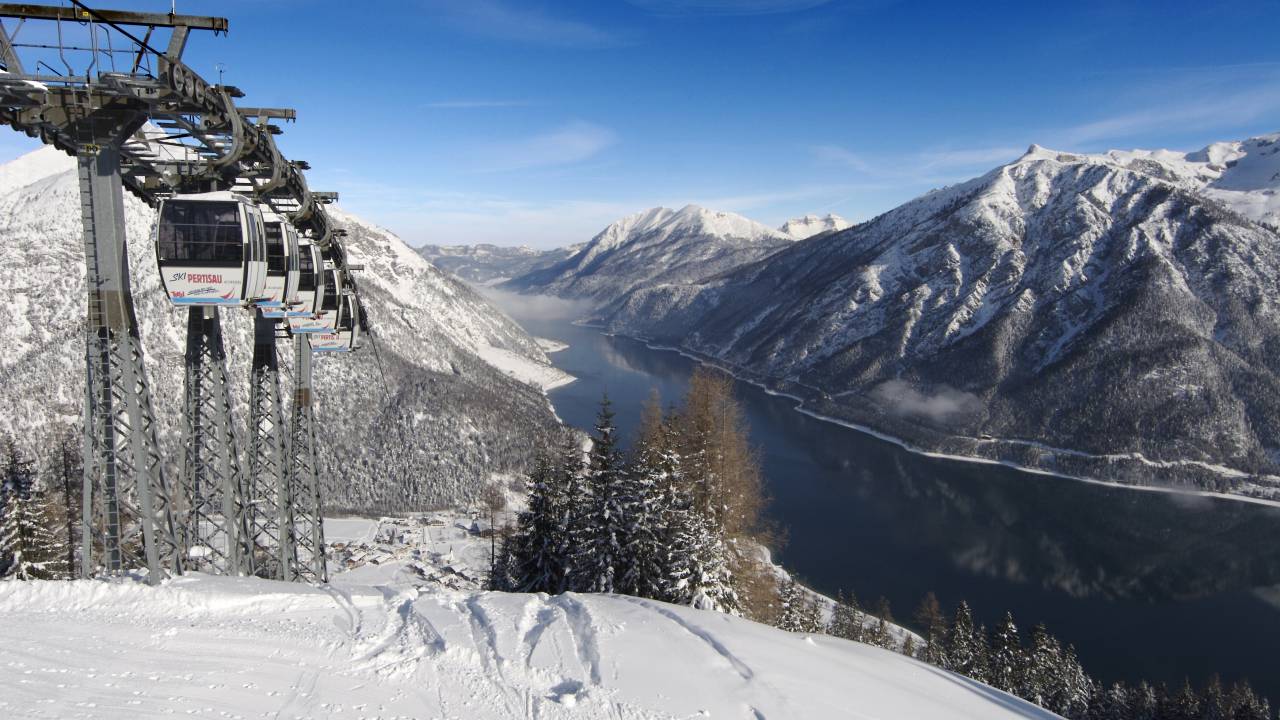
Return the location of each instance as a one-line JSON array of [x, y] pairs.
[[111, 89]]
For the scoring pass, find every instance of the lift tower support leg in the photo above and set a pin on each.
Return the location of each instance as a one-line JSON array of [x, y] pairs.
[[215, 527], [304, 482], [270, 503], [128, 513]]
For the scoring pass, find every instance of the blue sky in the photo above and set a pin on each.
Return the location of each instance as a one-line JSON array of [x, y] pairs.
[[537, 122]]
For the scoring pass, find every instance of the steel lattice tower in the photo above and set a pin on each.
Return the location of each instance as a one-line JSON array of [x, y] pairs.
[[128, 513], [215, 530], [304, 483], [270, 506]]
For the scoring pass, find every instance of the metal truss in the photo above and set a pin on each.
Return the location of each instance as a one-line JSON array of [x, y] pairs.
[[304, 482], [139, 119], [215, 522], [270, 502], [128, 512]]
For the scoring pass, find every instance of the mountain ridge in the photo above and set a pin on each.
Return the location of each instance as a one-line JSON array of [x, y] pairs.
[[1043, 302]]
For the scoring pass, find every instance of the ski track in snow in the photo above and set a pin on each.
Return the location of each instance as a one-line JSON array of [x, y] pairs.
[[207, 646]]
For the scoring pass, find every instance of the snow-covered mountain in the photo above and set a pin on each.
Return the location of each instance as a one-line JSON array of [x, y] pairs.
[[249, 647], [657, 245], [1122, 305], [484, 263], [810, 225], [445, 421]]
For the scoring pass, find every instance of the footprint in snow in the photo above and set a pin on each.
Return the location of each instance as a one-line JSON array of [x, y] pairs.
[[566, 693]]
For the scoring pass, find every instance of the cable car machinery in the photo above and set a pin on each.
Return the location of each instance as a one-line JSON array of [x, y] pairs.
[[138, 118]]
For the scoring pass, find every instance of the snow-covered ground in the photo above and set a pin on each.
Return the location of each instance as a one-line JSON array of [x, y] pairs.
[[524, 369], [202, 646]]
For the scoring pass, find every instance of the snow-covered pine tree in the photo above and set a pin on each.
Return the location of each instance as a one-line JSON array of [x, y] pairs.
[[1039, 679], [982, 670], [1006, 659], [1245, 705], [68, 476], [1144, 703], [811, 614], [600, 553], [29, 548], [1075, 687], [536, 560], [963, 655], [881, 636], [1109, 703], [642, 496], [1182, 705], [933, 625], [846, 618], [1213, 702], [575, 494], [791, 601]]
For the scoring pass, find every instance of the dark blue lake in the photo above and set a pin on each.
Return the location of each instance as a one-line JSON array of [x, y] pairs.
[[1145, 585]]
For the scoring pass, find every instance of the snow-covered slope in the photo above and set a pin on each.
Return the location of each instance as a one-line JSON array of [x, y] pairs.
[[657, 245], [444, 423], [1124, 305], [231, 647], [810, 225], [485, 263]]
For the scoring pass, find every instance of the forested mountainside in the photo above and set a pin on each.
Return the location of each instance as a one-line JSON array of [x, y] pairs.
[[444, 414], [484, 263], [657, 245], [1123, 306]]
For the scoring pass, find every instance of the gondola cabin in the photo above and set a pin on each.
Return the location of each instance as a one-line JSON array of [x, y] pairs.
[[325, 316], [310, 280], [283, 266], [211, 249], [347, 337]]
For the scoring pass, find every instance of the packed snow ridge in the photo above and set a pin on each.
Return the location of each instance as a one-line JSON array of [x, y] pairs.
[[246, 647]]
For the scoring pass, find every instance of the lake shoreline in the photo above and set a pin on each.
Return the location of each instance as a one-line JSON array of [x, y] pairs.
[[942, 455]]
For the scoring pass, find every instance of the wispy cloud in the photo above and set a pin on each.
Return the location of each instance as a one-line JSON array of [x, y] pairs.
[[1182, 100], [726, 7], [570, 144], [534, 26], [1189, 114], [474, 104], [926, 166]]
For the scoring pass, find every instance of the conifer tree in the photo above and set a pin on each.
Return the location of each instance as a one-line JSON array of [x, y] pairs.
[[1110, 703], [1006, 655], [576, 502], [881, 636], [600, 552], [962, 648], [1040, 680], [811, 614], [536, 551], [791, 601], [1213, 704], [933, 625], [846, 618], [1074, 687], [29, 548], [1143, 702], [644, 500]]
